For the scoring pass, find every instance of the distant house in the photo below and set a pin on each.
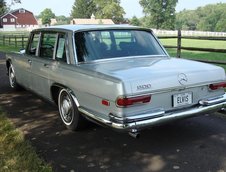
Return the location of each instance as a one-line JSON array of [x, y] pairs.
[[53, 22], [19, 18], [92, 20]]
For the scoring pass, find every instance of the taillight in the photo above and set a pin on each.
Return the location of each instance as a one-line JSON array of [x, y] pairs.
[[129, 101], [217, 86]]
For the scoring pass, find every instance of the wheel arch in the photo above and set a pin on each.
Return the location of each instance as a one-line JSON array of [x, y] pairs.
[[8, 63], [55, 90]]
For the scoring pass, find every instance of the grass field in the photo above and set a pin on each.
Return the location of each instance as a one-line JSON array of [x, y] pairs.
[[198, 44], [7, 49], [16, 154]]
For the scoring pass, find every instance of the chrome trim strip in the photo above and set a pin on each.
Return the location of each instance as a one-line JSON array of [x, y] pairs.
[[164, 117], [168, 90], [95, 117], [74, 48], [143, 116], [212, 101], [123, 58]]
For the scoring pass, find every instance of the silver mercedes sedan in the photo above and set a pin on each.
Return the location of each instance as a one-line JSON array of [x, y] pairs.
[[116, 75]]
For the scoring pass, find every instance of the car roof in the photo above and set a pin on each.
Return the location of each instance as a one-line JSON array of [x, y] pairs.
[[75, 28]]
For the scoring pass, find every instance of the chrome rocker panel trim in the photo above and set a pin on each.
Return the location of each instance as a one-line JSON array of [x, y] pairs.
[[146, 120]]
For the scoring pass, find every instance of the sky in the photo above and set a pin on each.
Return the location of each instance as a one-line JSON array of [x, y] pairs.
[[131, 7]]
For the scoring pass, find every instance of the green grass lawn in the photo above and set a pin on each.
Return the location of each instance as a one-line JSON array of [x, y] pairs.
[[197, 54], [16, 154], [7, 49], [196, 43]]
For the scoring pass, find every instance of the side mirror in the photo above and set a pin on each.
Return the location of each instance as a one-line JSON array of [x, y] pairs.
[[32, 51], [22, 51]]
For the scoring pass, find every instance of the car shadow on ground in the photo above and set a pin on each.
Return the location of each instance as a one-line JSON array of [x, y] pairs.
[[179, 145], [196, 144]]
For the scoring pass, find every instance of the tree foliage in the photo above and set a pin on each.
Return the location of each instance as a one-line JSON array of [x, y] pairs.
[[102, 9], [15, 1], [46, 16], [61, 20], [135, 21], [6, 7], [83, 9], [159, 14], [109, 10], [208, 18], [3, 7]]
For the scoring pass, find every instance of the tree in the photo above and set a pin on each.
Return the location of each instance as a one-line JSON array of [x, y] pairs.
[[135, 21], [62, 20], [160, 13], [208, 18], [83, 9], [15, 2], [46, 16], [109, 10], [3, 7], [187, 20], [220, 26]]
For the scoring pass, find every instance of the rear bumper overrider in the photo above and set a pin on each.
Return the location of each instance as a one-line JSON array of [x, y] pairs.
[[145, 120]]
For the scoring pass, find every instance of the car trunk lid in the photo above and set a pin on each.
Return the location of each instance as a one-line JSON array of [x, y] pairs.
[[152, 74]]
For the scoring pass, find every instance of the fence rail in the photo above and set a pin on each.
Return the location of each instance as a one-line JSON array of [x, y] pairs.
[[19, 41], [179, 46]]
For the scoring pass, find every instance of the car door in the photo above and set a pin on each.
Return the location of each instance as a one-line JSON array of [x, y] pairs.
[[42, 64], [23, 62]]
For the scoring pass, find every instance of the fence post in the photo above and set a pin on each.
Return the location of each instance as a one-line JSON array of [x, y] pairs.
[[179, 44], [15, 41], [22, 41], [9, 40], [4, 40]]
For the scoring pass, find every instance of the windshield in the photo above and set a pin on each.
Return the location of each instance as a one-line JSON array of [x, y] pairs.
[[96, 45]]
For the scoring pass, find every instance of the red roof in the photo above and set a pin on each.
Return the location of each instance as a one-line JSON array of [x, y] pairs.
[[24, 18]]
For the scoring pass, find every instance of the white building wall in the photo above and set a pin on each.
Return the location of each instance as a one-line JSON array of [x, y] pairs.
[[188, 33]]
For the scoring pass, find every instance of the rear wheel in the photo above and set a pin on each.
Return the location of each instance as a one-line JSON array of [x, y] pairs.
[[12, 78], [69, 111]]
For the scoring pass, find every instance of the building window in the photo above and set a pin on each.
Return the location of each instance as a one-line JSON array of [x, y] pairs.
[[21, 11], [12, 20], [5, 20]]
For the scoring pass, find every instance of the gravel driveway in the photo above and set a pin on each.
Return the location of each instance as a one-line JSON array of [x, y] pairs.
[[197, 144]]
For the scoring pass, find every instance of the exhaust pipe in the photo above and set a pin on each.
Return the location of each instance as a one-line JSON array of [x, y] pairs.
[[134, 133], [223, 110]]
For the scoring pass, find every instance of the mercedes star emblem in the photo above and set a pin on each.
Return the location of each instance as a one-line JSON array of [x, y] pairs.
[[182, 78]]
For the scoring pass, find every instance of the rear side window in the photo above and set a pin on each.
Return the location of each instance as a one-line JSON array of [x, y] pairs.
[[61, 48], [33, 44], [47, 45]]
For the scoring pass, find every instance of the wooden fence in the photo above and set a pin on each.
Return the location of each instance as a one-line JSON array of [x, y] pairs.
[[18, 41], [179, 46]]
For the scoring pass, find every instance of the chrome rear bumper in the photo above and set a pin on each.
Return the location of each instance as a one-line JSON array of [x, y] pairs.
[[145, 120]]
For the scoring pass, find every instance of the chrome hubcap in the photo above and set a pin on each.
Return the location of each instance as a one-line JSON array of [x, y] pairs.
[[12, 78], [66, 108]]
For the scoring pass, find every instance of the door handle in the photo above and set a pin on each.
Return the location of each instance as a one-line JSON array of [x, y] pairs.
[[29, 61], [46, 65]]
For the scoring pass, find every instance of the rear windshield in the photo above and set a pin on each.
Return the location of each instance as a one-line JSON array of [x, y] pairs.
[[96, 45]]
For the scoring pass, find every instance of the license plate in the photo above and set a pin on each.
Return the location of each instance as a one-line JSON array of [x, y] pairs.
[[182, 99]]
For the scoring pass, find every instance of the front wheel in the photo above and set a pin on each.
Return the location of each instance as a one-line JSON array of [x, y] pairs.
[[69, 111], [12, 78]]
